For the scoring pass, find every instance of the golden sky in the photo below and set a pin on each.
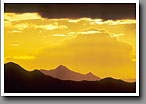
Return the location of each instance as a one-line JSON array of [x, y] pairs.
[[106, 48]]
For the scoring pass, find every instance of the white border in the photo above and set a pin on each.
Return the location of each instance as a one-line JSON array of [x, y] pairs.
[[70, 94]]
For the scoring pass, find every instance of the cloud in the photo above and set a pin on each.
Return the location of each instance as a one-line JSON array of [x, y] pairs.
[[105, 11], [33, 21], [50, 27], [117, 35], [101, 54], [21, 26], [33, 25], [21, 16], [93, 31], [59, 35], [15, 45], [15, 31], [113, 22], [74, 21], [22, 57], [30, 21]]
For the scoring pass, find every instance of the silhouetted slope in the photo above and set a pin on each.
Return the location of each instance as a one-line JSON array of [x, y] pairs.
[[114, 84], [18, 80], [129, 80], [63, 73]]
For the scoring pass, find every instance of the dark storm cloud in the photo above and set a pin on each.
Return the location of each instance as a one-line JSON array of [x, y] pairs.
[[104, 11]]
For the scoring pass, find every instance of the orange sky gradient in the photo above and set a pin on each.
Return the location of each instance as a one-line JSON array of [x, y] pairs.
[[105, 48]]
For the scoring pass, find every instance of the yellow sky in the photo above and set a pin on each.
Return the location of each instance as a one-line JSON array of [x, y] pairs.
[[106, 48]]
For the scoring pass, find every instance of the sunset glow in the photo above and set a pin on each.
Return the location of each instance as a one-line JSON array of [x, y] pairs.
[[105, 47]]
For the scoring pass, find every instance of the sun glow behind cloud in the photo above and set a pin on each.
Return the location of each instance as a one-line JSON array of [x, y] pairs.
[[18, 17], [106, 48]]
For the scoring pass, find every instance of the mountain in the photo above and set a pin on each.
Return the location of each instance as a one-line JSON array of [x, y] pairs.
[[63, 73], [19, 80], [129, 80]]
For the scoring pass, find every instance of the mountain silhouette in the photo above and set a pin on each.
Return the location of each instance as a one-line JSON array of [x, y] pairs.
[[63, 73], [129, 80], [18, 80]]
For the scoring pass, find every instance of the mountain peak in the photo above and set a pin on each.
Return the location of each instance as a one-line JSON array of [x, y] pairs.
[[63, 73], [11, 63], [90, 73], [13, 66], [92, 76], [62, 67]]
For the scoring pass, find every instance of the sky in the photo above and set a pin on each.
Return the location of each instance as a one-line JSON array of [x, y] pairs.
[[97, 38]]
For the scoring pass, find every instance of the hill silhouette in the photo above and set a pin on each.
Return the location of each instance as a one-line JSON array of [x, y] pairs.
[[18, 80], [63, 73]]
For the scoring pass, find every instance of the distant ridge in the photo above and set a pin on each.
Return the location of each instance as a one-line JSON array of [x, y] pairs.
[[63, 73], [18, 80]]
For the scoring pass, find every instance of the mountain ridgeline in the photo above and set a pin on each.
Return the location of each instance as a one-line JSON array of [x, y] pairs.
[[64, 73], [60, 80]]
